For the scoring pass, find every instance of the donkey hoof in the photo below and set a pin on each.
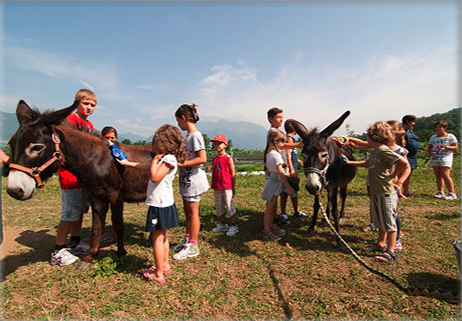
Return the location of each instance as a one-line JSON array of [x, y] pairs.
[[311, 232], [82, 266]]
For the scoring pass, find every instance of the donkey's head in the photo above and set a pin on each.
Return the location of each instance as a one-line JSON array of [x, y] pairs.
[[33, 147], [315, 152]]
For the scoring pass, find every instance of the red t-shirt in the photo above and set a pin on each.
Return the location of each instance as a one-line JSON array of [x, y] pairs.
[[67, 180], [221, 173]]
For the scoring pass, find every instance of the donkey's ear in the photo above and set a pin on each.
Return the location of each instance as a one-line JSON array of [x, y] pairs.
[[300, 129], [329, 130], [25, 114], [57, 117]]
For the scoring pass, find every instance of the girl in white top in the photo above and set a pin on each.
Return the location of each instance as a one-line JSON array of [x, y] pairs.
[[193, 180], [162, 213], [275, 179], [441, 148]]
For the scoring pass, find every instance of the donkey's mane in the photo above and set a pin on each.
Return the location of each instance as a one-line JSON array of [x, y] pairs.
[[315, 143]]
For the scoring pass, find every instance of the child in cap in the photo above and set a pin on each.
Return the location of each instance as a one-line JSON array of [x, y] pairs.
[[223, 185]]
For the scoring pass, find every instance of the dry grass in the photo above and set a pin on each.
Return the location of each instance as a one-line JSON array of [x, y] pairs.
[[300, 277]]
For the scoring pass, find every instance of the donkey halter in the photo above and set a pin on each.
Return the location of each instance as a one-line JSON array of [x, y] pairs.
[[320, 172], [34, 172]]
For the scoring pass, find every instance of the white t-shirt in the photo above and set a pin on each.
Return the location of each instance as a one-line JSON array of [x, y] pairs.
[[273, 159], [161, 194], [436, 142], [193, 180]]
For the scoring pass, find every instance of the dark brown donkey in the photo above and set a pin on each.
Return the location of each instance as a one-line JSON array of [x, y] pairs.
[[324, 169], [45, 141]]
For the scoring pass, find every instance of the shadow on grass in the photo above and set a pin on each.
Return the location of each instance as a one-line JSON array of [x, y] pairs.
[[430, 280], [41, 244], [443, 216], [250, 229]]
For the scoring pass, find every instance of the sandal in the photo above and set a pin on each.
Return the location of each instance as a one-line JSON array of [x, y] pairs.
[[369, 228], [153, 268], [375, 248], [387, 257], [148, 276]]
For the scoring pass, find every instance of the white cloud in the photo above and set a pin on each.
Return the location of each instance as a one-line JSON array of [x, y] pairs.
[[385, 87], [95, 76]]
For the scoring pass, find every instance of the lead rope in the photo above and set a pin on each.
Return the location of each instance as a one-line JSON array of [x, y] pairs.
[[449, 296]]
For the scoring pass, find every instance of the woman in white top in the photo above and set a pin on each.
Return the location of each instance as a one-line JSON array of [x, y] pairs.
[[441, 148]]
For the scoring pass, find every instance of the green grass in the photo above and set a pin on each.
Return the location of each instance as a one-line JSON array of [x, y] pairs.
[[300, 277]]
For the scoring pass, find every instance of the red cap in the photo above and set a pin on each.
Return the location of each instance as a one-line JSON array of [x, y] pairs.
[[220, 138]]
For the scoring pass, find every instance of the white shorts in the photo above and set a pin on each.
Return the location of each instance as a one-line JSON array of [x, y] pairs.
[[192, 199], [224, 202], [75, 204], [445, 162], [384, 211], [273, 187]]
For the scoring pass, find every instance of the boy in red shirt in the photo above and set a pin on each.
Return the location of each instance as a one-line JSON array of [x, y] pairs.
[[75, 201], [223, 185]]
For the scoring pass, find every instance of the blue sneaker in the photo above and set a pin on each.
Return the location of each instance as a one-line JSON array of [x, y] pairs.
[[284, 219]]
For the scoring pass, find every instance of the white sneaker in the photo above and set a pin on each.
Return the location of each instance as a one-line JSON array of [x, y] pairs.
[[451, 196], [301, 214], [232, 230], [189, 250], [220, 228], [81, 248], [62, 257], [180, 246], [439, 195]]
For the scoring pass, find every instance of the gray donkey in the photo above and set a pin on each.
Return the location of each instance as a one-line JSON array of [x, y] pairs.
[[323, 168]]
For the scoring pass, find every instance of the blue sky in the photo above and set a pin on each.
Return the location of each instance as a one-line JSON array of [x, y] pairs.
[[379, 59]]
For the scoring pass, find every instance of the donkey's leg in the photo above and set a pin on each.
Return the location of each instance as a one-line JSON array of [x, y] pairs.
[[336, 215], [334, 209], [315, 215], [117, 210], [99, 211], [343, 196]]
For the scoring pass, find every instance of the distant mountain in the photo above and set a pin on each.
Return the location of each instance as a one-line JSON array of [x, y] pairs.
[[244, 135], [131, 136], [8, 126]]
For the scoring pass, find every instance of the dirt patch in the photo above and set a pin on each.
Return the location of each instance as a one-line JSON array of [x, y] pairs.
[[21, 239], [22, 246]]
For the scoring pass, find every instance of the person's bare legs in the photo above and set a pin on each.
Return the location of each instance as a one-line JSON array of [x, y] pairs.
[[192, 211]]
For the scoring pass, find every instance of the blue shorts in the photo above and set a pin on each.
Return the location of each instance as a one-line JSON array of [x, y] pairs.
[[75, 204], [295, 184], [161, 218], [412, 161]]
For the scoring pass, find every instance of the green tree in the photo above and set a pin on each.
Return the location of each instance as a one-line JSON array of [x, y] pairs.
[[229, 148], [127, 142], [206, 142], [140, 142]]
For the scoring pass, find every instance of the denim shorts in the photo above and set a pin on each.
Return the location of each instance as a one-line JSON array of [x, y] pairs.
[[75, 204]]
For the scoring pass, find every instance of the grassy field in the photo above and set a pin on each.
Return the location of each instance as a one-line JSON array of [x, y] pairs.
[[299, 277]]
